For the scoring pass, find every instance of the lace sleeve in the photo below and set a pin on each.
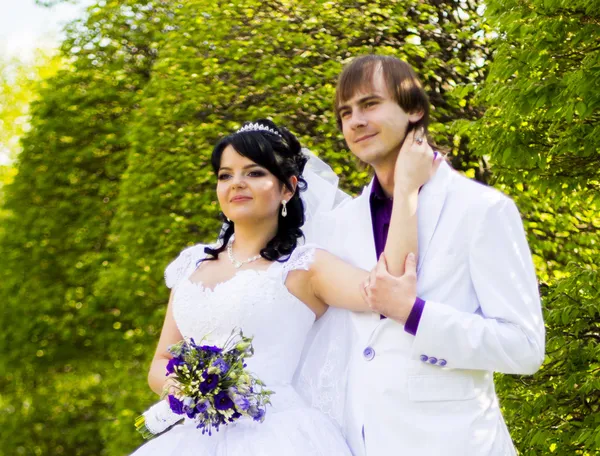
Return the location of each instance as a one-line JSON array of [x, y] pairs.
[[183, 265], [301, 258]]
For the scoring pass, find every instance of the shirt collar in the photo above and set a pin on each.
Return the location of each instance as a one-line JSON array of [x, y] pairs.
[[377, 191]]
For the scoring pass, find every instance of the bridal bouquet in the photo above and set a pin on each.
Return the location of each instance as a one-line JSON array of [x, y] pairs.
[[213, 387]]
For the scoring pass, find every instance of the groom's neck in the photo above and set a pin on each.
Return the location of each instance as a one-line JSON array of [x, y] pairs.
[[385, 176]]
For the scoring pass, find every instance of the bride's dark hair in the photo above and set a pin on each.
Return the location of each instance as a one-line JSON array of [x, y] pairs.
[[281, 155]]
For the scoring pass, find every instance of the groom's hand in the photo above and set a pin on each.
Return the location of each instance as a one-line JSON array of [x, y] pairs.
[[392, 296]]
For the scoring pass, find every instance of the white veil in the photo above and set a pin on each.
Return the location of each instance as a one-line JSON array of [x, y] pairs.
[[320, 198], [321, 375], [322, 194]]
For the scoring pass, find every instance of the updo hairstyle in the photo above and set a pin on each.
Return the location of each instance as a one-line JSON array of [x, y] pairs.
[[282, 156]]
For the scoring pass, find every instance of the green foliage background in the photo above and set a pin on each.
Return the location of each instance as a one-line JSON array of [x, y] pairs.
[[114, 179], [541, 130]]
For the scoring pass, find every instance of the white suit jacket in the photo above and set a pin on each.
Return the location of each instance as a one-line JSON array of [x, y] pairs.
[[433, 393]]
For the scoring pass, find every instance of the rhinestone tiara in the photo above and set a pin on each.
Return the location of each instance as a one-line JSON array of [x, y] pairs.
[[257, 127]]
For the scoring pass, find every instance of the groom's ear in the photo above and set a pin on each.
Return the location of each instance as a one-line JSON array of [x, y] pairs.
[[414, 117]]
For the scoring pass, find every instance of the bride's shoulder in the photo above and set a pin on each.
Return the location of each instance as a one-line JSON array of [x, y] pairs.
[[184, 262], [304, 257]]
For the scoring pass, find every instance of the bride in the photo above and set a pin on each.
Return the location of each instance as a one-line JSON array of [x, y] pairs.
[[257, 277]]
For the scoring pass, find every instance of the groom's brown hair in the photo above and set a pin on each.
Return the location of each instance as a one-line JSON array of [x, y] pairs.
[[401, 81]]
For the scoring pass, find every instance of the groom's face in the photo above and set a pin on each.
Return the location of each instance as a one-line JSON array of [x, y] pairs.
[[373, 124]]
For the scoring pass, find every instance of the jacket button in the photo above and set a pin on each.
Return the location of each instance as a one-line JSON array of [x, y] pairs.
[[424, 358], [369, 353], [442, 362], [432, 360]]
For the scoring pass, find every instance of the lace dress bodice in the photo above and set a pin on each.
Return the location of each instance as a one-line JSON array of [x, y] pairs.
[[257, 301], [300, 420]]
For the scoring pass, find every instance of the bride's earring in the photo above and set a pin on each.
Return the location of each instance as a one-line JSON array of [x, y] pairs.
[[284, 208]]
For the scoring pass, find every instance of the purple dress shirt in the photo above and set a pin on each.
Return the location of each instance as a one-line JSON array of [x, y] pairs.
[[381, 214]]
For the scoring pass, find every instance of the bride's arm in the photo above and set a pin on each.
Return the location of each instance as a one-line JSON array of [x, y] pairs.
[[339, 284], [415, 165], [169, 335], [336, 283]]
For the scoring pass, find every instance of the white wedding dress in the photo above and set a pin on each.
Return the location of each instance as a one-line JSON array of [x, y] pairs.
[[258, 302]]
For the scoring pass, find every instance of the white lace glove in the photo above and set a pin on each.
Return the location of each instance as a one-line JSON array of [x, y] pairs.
[[160, 417]]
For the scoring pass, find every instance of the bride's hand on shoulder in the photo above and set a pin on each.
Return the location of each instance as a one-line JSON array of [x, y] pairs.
[[416, 163]]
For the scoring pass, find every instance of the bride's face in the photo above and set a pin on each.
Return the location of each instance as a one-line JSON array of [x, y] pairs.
[[247, 191]]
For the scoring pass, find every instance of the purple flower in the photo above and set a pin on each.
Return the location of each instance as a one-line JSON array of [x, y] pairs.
[[176, 405], [202, 406], [211, 348], [223, 401], [210, 383], [235, 416], [260, 414], [188, 407], [221, 365], [172, 363], [241, 402]]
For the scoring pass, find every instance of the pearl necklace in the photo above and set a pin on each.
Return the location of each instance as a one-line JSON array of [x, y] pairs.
[[238, 264]]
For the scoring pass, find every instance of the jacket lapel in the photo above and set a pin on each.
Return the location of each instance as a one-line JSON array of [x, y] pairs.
[[363, 230], [360, 241], [431, 202]]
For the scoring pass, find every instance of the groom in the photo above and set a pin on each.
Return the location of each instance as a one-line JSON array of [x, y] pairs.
[[421, 381]]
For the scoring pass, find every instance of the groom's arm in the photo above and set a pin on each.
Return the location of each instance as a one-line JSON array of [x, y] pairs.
[[507, 333]]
